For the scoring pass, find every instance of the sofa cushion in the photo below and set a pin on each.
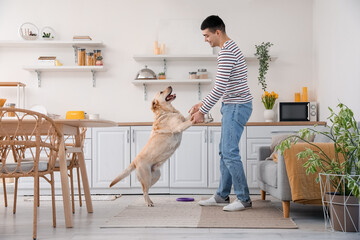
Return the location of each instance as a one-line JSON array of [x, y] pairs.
[[267, 172], [25, 167]]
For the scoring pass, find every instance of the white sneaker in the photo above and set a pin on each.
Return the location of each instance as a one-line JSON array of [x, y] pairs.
[[215, 200], [237, 205]]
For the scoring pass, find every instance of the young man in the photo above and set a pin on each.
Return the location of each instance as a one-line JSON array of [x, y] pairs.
[[231, 85]]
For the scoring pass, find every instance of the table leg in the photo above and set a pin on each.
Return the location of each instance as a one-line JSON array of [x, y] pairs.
[[65, 185], [85, 183], [83, 172]]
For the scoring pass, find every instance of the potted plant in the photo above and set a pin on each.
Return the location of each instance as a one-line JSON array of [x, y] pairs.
[[262, 53], [339, 174], [162, 75], [268, 99]]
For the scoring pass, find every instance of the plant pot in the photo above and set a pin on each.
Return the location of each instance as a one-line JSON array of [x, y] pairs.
[[269, 115], [344, 212]]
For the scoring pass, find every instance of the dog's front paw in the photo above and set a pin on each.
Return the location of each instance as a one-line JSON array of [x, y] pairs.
[[150, 204]]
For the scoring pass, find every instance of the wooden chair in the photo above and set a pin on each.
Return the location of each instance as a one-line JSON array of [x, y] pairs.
[[72, 162], [30, 132]]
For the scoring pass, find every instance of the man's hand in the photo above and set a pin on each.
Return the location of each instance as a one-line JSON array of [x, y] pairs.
[[195, 108], [197, 117]]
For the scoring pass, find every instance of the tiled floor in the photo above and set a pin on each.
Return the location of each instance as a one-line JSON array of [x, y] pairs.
[[87, 226]]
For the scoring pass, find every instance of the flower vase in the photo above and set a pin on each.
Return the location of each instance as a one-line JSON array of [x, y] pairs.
[[269, 115]]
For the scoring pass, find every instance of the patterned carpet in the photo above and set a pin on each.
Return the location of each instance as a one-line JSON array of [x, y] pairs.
[[167, 212]]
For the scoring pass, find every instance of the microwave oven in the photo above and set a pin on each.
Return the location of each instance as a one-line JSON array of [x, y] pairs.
[[298, 111]]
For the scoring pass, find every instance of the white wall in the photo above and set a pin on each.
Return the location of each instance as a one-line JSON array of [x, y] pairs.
[[130, 27], [337, 54]]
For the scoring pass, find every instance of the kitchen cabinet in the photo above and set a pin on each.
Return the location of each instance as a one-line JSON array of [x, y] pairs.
[[188, 165], [192, 169], [214, 157], [111, 155], [57, 44], [139, 137]]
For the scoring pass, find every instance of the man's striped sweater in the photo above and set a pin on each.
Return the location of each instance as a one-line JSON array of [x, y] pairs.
[[231, 79]]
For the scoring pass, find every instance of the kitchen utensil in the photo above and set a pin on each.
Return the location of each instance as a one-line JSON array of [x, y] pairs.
[[145, 73], [75, 115]]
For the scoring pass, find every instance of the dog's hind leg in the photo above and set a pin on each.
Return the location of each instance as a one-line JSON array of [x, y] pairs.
[[144, 176], [155, 176]]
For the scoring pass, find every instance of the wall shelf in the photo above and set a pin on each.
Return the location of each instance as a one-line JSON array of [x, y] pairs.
[[18, 85], [185, 57], [177, 57], [49, 43], [56, 44], [38, 69], [172, 81]]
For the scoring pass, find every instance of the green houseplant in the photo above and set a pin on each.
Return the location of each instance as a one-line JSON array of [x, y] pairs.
[[268, 99], [262, 53], [342, 175]]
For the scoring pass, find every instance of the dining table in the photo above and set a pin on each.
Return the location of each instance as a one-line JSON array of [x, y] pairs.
[[68, 127]]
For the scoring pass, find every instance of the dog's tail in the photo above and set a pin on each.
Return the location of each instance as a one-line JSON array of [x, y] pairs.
[[124, 174]]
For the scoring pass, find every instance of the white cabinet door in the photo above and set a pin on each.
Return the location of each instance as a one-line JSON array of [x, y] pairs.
[[139, 137], [214, 157], [188, 165], [111, 155], [252, 174]]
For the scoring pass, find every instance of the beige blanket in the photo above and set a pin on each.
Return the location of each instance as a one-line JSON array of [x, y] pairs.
[[304, 188]]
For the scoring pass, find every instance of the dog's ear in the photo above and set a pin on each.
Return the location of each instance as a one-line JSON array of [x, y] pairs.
[[154, 105]]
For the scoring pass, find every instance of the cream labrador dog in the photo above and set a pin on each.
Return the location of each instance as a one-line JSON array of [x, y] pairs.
[[165, 138]]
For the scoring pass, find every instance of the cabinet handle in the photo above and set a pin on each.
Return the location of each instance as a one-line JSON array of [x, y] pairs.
[[128, 135], [205, 136], [133, 135], [211, 136], [283, 131]]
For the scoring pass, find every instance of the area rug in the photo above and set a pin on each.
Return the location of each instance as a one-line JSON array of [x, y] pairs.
[[168, 213], [93, 198]]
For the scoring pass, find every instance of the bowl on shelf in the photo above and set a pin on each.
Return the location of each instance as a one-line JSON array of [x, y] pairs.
[[2, 101]]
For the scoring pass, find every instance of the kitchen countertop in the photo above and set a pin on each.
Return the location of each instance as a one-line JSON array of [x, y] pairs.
[[248, 124]]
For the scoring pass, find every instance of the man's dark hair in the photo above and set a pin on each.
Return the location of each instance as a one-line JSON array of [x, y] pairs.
[[213, 23]]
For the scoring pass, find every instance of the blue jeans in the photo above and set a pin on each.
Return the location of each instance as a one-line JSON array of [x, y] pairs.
[[234, 119]]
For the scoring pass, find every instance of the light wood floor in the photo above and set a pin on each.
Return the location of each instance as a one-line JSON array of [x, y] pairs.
[[87, 226]]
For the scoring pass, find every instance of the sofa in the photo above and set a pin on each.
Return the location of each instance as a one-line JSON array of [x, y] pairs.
[[272, 176]]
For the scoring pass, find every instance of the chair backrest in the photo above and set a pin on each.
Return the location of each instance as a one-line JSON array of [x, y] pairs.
[[27, 133]]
